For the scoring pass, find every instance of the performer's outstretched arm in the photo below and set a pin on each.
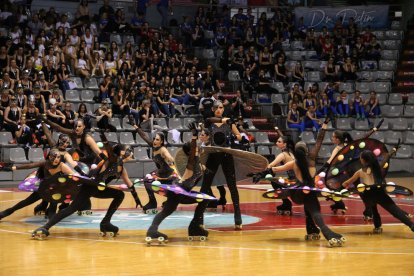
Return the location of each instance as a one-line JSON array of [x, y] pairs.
[[286, 167], [351, 180], [143, 135], [314, 153], [48, 134], [58, 127], [29, 165]]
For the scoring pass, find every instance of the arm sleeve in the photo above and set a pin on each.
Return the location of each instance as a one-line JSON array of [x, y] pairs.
[[144, 136], [314, 154], [30, 165], [58, 127]]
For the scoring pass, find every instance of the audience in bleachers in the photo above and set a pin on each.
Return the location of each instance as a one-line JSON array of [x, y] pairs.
[[47, 54]]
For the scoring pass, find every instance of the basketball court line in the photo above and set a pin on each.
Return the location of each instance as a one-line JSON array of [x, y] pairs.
[[340, 250]]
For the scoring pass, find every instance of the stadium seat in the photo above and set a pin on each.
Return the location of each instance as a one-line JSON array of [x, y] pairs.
[[78, 81], [17, 155], [91, 83], [5, 137], [278, 86], [361, 125], [175, 123], [385, 75], [276, 151], [381, 87], [72, 96], [116, 123], [385, 125], [344, 124], [363, 87], [325, 152], [387, 65], [126, 126], [186, 136], [36, 155], [126, 138], [262, 138], [347, 86], [173, 142], [141, 154], [263, 150], [389, 54], [409, 111], [161, 122], [399, 124], [87, 96], [313, 76], [392, 137], [392, 110], [404, 152], [308, 137], [395, 98], [112, 137], [173, 150], [378, 135], [409, 138]]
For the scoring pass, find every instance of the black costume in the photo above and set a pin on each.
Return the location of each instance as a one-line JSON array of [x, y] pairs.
[[173, 199], [42, 173], [112, 171], [164, 172], [220, 136]]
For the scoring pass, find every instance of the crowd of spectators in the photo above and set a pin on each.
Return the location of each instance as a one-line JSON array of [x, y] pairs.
[[45, 50]]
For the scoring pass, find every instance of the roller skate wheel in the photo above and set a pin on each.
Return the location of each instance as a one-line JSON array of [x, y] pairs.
[[333, 242], [190, 238], [155, 211], [161, 239], [148, 239], [88, 213], [238, 227], [287, 213], [112, 234], [377, 230], [102, 234], [279, 212], [343, 240], [343, 212], [203, 238]]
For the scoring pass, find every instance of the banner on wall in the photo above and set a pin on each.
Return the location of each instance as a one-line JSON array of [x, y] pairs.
[[375, 16]]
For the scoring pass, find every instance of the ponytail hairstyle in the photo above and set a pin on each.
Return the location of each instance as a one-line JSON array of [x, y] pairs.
[[303, 165], [372, 163]]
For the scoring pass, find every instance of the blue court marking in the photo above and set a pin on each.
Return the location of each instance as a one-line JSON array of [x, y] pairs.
[[130, 220]]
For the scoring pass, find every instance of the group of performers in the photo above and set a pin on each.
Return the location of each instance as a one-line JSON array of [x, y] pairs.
[[90, 166]]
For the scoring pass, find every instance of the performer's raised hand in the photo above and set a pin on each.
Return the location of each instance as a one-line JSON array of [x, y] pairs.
[[193, 128]]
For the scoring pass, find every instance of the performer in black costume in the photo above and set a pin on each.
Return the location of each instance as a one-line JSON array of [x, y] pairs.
[[286, 145], [221, 130], [84, 145], [62, 145], [189, 179], [111, 169], [304, 167], [341, 139], [205, 141], [51, 166], [370, 174], [163, 160]]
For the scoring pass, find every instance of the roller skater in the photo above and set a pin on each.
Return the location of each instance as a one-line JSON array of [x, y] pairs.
[[341, 139], [51, 166], [189, 179], [213, 205], [85, 149], [220, 131], [305, 171], [164, 162], [371, 175], [111, 169]]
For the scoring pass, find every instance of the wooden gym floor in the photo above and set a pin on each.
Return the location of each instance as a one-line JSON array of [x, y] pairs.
[[273, 246]]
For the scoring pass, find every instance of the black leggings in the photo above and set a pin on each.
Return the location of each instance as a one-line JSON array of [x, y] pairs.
[[227, 163], [313, 214], [85, 194], [32, 198], [174, 199], [377, 196]]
